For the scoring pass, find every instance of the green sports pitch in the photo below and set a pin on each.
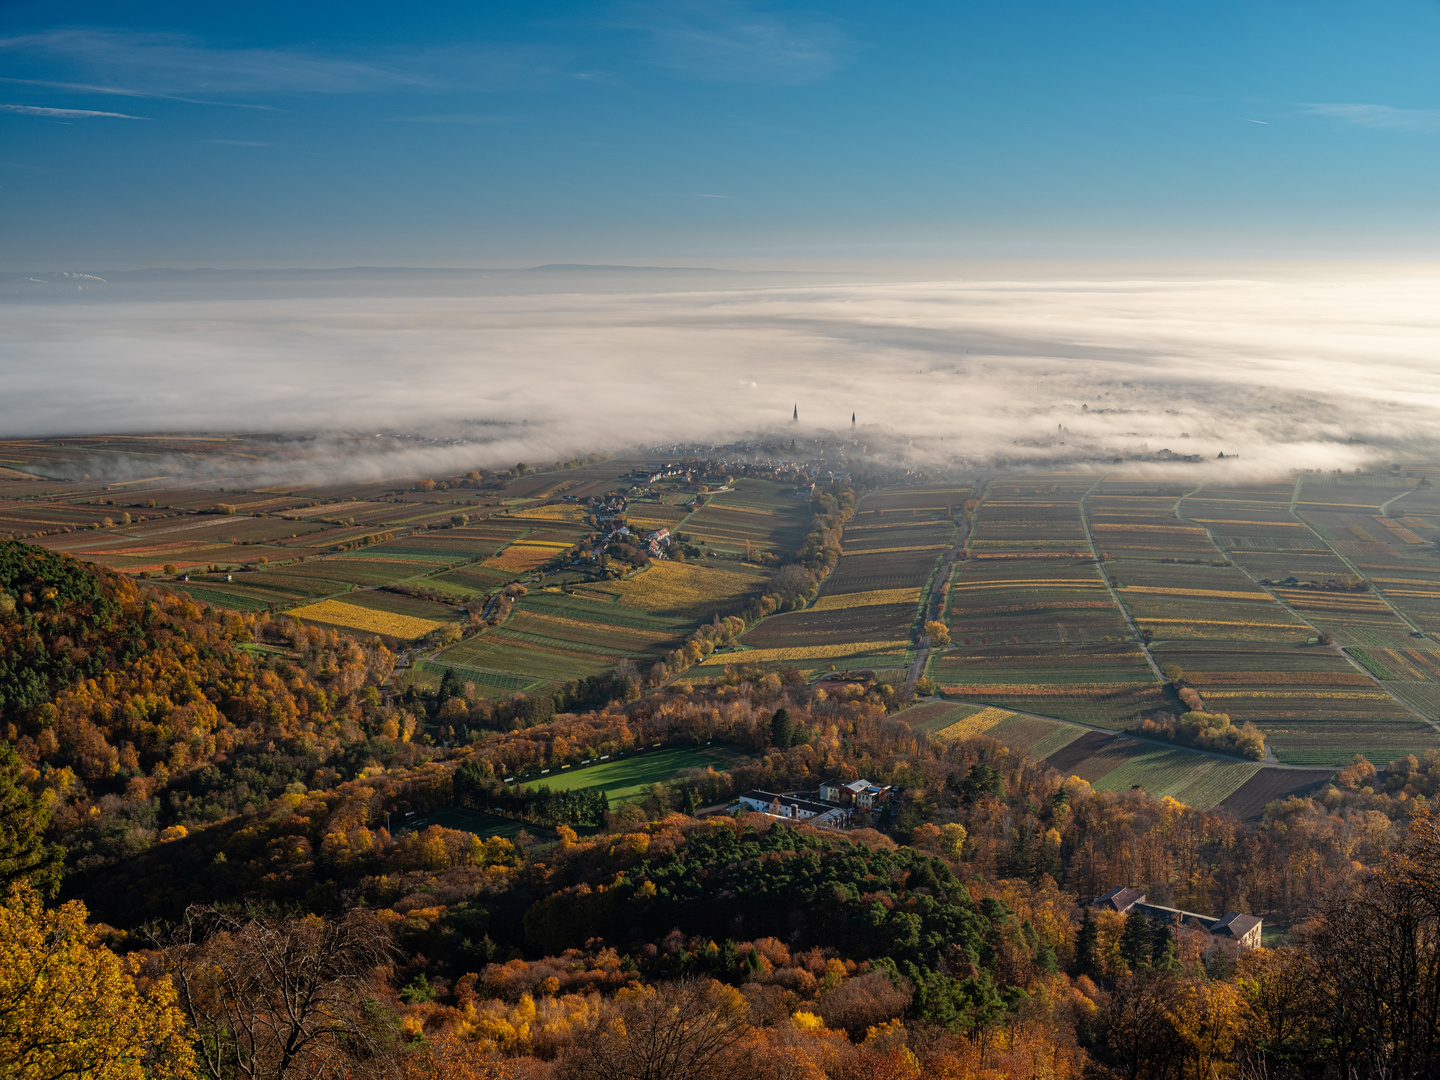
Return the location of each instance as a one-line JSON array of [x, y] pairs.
[[631, 776]]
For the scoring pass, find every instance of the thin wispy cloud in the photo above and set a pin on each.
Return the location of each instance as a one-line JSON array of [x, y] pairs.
[[123, 91], [66, 114], [148, 64], [1249, 121], [184, 68], [731, 41], [1382, 117]]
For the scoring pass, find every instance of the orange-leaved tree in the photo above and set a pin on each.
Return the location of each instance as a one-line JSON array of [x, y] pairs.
[[69, 1007]]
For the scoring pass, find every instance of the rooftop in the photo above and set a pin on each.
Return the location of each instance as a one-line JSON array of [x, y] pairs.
[[787, 800], [1120, 898], [1234, 924]]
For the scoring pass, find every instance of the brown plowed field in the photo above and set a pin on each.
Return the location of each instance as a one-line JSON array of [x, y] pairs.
[[1270, 784]]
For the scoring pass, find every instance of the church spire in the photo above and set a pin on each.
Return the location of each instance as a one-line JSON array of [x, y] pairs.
[[797, 412]]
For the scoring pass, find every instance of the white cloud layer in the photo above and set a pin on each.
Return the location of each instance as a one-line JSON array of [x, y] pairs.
[[1330, 373]]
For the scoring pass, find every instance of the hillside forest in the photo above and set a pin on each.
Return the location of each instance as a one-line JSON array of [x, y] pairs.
[[207, 873]]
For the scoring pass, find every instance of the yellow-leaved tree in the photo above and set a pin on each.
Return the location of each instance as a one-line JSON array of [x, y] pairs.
[[70, 1008]]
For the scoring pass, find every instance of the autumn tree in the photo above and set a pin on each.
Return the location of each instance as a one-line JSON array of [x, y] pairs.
[[274, 998], [24, 854], [1140, 1035], [952, 840], [938, 633], [676, 1031], [1283, 1012], [70, 1008], [445, 1057], [1377, 950]]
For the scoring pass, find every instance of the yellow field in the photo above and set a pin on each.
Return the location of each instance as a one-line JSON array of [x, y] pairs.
[[338, 613], [871, 598], [648, 524], [806, 652], [1221, 622], [676, 586], [552, 512], [527, 554], [1251, 521], [977, 724], [1213, 594]]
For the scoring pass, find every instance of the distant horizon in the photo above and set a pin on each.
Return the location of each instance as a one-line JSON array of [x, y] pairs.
[[936, 269]]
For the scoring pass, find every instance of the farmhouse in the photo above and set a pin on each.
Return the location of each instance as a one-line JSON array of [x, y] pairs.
[[765, 802], [861, 794], [1233, 928], [787, 806]]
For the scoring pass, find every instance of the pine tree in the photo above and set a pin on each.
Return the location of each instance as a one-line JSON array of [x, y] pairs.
[[1135, 940], [24, 854], [1087, 946], [1165, 956], [450, 686], [782, 731]]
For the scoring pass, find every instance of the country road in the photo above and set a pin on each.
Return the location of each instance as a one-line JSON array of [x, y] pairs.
[[937, 595]]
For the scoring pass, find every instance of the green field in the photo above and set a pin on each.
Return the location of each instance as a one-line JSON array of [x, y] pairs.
[[1109, 762], [631, 776]]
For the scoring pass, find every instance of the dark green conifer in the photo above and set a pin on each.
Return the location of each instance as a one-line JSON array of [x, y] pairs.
[[1135, 941], [782, 731]]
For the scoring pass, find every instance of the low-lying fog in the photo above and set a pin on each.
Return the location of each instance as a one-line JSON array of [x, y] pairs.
[[1323, 372]]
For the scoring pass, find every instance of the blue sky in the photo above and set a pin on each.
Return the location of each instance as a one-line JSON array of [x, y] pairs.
[[714, 133]]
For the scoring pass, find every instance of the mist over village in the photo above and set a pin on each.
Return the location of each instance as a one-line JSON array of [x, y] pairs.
[[675, 541]]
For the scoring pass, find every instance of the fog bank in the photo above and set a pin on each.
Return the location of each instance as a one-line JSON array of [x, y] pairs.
[[1319, 373]]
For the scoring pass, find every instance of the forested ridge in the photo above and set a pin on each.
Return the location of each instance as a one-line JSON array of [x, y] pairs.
[[196, 814]]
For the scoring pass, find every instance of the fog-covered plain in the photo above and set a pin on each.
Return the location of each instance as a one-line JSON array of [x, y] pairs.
[[1320, 371]]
